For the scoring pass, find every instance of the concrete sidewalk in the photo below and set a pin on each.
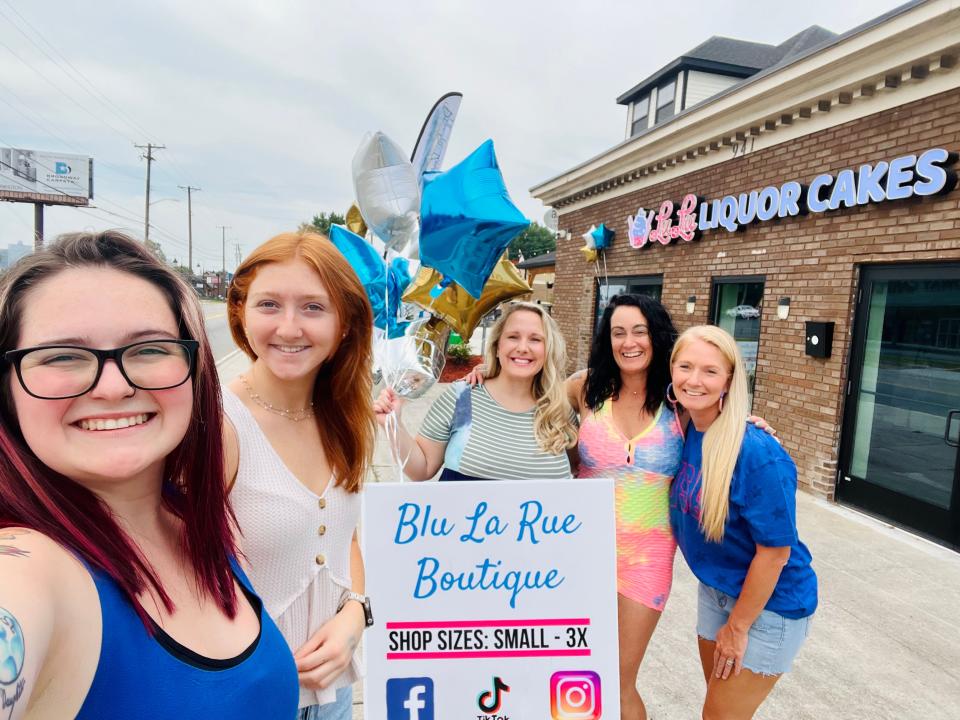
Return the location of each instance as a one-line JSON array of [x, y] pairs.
[[885, 642]]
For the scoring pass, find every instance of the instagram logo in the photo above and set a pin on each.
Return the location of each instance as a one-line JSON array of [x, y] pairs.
[[575, 695]]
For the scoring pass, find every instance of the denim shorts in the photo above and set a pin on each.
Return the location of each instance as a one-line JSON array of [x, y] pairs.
[[774, 640], [339, 709]]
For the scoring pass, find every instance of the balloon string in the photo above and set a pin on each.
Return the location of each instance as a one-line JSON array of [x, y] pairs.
[[600, 286], [392, 429], [391, 377]]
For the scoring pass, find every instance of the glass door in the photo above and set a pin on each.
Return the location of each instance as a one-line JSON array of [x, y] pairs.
[[899, 450]]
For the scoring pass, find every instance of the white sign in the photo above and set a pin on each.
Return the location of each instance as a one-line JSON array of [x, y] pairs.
[[493, 600], [44, 173]]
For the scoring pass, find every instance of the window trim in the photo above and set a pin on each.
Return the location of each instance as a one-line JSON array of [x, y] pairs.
[[730, 280], [715, 283], [646, 118], [673, 95], [649, 279]]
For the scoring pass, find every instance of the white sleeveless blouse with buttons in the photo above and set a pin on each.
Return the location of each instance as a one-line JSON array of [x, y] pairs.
[[297, 543]]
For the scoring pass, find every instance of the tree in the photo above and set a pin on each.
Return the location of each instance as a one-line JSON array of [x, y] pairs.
[[535, 240], [154, 247], [321, 223]]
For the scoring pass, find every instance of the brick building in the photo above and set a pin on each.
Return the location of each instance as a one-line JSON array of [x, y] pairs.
[[872, 254]]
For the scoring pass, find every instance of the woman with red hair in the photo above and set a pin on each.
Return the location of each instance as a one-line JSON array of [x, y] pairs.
[[299, 439], [120, 595]]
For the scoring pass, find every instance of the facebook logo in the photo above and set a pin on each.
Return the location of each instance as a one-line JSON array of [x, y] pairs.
[[410, 699]]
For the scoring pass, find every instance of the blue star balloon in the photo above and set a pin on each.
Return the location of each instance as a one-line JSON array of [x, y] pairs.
[[369, 267], [398, 277], [467, 220], [384, 283], [602, 237]]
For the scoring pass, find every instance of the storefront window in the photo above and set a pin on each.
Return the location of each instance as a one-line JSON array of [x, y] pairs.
[[651, 285], [737, 305]]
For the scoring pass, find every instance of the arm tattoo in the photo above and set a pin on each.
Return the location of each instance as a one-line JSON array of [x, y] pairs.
[[11, 550], [12, 655]]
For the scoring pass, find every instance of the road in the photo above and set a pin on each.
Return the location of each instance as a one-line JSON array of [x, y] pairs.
[[230, 360]]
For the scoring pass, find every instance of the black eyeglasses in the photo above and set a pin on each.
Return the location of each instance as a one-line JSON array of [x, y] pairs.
[[57, 372]]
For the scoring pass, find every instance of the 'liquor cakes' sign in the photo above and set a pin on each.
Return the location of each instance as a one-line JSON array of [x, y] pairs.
[[901, 178]]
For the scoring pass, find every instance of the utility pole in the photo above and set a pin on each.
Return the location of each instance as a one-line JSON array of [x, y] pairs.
[[223, 250], [37, 226], [149, 147], [236, 255], [189, 189]]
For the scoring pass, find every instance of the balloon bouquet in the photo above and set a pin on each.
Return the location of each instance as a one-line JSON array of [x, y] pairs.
[[435, 260], [596, 241]]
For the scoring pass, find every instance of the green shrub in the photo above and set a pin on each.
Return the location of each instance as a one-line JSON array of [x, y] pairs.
[[459, 354]]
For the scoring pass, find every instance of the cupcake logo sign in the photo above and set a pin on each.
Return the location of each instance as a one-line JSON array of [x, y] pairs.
[[930, 173], [664, 226]]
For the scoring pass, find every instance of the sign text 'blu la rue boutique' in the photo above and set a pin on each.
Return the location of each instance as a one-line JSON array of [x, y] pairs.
[[901, 178], [534, 525]]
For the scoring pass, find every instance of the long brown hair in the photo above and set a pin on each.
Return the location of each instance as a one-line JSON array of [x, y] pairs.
[[34, 496], [344, 384]]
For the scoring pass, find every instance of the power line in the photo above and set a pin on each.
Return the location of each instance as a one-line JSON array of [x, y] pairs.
[[59, 191], [129, 216], [43, 128], [91, 88], [63, 92]]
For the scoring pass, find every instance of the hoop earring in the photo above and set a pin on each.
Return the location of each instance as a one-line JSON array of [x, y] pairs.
[[722, 396], [672, 400]]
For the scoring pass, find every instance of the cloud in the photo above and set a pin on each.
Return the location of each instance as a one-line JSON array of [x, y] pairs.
[[262, 105]]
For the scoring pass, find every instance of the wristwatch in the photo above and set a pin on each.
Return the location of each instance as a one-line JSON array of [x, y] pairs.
[[364, 602]]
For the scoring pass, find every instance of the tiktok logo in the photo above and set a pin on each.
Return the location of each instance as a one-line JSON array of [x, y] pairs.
[[489, 701]]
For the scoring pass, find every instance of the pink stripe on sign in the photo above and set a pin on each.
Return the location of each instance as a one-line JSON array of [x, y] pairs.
[[434, 624], [468, 654]]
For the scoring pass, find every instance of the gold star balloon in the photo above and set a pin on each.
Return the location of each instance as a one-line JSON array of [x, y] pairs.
[[455, 306], [355, 223], [589, 253]]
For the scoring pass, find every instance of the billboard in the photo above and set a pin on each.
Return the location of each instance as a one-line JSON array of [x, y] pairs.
[[45, 177]]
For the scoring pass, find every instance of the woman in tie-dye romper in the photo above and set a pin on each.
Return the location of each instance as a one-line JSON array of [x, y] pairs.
[[629, 431]]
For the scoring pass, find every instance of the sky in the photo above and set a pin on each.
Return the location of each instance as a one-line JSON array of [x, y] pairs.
[[263, 104]]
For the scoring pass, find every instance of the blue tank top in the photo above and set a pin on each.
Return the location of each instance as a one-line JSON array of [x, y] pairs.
[[139, 676]]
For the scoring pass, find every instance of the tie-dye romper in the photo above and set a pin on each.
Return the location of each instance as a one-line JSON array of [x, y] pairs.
[[643, 468]]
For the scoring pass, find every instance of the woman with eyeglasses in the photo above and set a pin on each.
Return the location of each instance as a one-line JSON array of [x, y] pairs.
[[120, 595]]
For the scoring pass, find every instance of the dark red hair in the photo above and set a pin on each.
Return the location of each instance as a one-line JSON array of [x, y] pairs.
[[34, 496], [344, 384]]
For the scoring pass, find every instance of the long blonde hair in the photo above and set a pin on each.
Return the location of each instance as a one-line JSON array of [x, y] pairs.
[[552, 423], [724, 437]]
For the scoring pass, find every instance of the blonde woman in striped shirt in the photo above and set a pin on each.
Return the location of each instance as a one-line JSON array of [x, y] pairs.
[[518, 425]]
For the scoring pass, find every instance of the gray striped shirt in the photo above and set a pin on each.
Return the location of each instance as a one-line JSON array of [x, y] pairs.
[[487, 441]]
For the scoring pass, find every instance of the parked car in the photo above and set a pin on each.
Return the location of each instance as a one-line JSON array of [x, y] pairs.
[[744, 311]]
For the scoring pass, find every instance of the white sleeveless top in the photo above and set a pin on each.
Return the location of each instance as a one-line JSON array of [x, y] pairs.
[[297, 543]]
